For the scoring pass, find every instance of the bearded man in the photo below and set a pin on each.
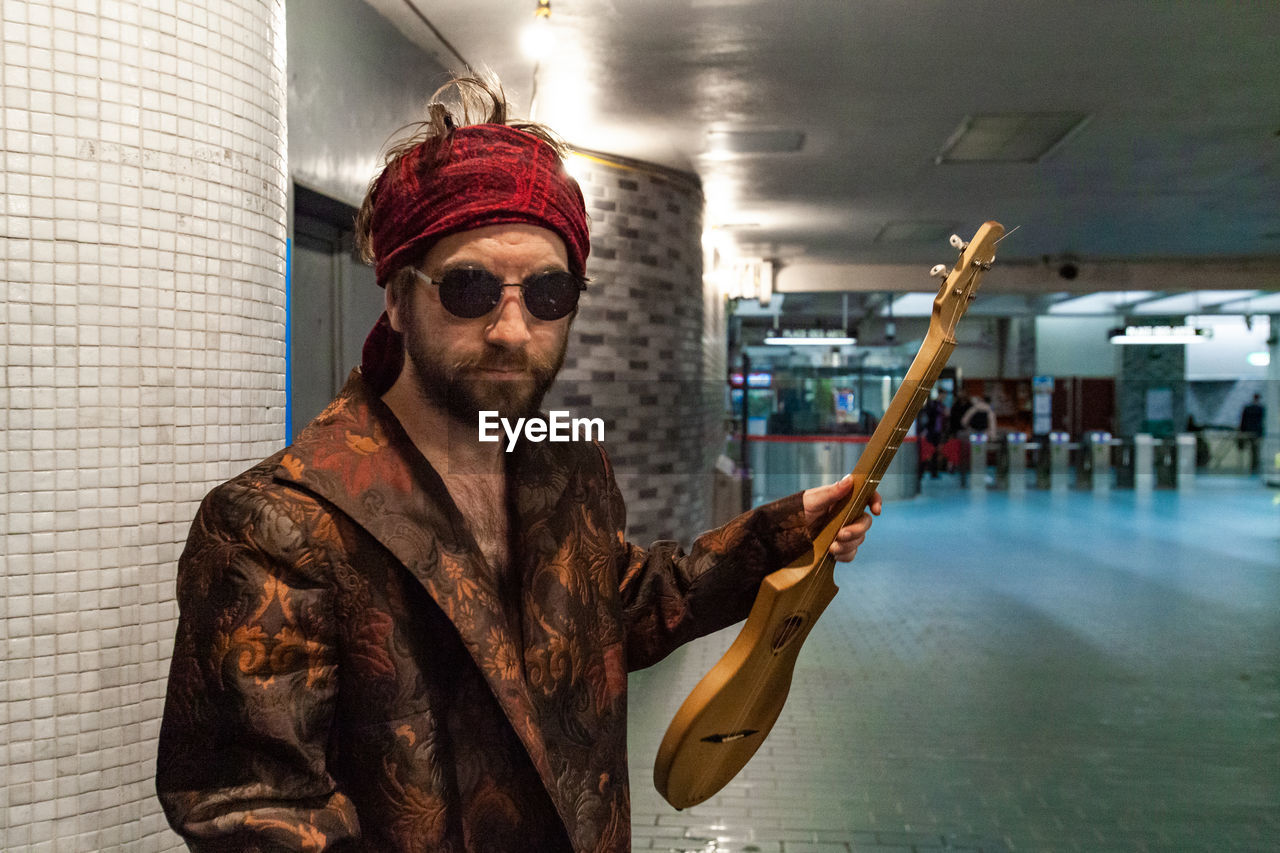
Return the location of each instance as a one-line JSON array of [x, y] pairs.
[[396, 637]]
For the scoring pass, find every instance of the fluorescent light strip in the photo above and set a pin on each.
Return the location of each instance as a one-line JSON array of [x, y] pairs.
[[810, 342], [1188, 303], [1159, 335], [1156, 339], [910, 305], [1263, 303], [1099, 303]]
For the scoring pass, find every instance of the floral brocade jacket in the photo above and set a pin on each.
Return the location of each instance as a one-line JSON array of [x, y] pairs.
[[348, 675]]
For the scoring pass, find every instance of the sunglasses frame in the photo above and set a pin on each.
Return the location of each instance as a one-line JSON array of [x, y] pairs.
[[502, 286]]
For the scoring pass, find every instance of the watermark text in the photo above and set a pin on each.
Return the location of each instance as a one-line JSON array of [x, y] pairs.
[[558, 426]]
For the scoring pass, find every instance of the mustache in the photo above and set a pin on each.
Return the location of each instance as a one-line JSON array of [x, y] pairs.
[[503, 360]]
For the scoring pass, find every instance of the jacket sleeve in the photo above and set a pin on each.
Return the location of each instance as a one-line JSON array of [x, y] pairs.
[[252, 684], [670, 597]]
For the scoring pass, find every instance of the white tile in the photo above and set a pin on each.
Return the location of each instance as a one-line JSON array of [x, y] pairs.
[[101, 222]]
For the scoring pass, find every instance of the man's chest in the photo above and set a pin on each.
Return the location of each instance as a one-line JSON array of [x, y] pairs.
[[482, 501]]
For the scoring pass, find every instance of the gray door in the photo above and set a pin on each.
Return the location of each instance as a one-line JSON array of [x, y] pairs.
[[333, 302]]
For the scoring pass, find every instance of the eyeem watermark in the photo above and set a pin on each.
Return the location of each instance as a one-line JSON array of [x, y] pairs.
[[558, 427]]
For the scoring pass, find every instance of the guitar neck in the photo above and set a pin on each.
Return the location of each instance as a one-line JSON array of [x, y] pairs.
[[888, 435], [953, 298]]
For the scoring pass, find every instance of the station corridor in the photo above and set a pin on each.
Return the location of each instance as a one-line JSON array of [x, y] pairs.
[[1050, 673]]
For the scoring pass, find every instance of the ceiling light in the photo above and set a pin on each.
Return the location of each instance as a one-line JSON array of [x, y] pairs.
[[1009, 137], [721, 200], [1259, 359], [537, 40], [798, 341], [1160, 335], [1235, 324], [1262, 303], [1099, 303], [909, 305], [580, 165], [1185, 303]]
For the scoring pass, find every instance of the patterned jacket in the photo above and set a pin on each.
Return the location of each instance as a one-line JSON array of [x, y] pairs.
[[345, 676]]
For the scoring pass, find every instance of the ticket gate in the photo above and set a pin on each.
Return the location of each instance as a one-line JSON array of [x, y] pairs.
[[1060, 461]]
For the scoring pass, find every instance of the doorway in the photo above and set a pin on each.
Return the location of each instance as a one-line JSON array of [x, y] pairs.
[[334, 301]]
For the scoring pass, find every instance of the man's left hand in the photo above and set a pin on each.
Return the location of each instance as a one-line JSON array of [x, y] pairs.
[[818, 501]]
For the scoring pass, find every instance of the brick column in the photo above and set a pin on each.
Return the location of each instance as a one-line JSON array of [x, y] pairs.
[[647, 351]]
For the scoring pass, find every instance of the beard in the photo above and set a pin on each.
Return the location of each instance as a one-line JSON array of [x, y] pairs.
[[460, 387]]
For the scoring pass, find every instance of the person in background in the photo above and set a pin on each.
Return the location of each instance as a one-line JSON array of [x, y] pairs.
[[957, 443], [976, 417], [980, 417], [1252, 419], [395, 637], [930, 425]]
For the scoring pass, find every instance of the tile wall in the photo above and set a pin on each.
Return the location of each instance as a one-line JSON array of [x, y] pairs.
[[142, 254], [647, 350]]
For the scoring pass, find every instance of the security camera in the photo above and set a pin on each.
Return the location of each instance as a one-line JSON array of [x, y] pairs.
[[1068, 270]]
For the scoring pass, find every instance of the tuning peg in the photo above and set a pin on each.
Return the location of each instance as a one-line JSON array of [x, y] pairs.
[[939, 271], [957, 243]]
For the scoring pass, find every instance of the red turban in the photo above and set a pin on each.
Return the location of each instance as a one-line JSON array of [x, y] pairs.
[[484, 174]]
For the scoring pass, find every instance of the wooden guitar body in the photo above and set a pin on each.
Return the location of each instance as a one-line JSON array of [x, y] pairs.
[[728, 715]]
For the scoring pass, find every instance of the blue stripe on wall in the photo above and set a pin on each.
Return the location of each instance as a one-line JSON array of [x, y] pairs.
[[288, 340]]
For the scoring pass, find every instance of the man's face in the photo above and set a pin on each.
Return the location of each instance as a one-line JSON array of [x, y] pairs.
[[505, 360]]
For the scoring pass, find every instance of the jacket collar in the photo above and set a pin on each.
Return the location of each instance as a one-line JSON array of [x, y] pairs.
[[357, 456]]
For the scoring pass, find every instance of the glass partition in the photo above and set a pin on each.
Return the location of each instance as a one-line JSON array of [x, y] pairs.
[[812, 400]]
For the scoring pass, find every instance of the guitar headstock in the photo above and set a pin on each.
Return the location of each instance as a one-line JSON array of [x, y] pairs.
[[961, 285]]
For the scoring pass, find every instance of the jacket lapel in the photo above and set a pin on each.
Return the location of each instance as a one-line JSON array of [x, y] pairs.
[[356, 455]]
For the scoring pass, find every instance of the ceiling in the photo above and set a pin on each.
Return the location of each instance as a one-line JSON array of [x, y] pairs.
[[1173, 157]]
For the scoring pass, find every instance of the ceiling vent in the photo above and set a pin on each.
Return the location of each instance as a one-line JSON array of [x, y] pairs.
[[1009, 137], [727, 142]]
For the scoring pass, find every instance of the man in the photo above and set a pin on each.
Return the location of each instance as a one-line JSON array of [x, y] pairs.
[[980, 417], [1252, 417], [929, 428], [395, 637]]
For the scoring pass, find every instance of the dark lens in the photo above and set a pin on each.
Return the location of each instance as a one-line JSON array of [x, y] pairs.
[[469, 293], [551, 295]]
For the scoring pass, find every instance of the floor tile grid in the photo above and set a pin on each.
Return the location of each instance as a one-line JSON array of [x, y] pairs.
[[1054, 710]]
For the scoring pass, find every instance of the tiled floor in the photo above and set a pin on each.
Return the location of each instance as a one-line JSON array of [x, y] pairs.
[[1001, 674]]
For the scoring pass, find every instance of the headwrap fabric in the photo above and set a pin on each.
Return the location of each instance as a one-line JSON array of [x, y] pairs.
[[382, 357], [478, 175], [483, 174]]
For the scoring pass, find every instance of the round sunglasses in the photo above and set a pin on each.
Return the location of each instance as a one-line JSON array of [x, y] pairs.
[[471, 292]]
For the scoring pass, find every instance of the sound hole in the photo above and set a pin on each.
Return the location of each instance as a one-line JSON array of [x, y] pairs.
[[787, 631], [730, 737]]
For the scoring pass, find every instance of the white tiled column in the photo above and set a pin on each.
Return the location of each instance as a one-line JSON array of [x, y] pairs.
[[142, 255]]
